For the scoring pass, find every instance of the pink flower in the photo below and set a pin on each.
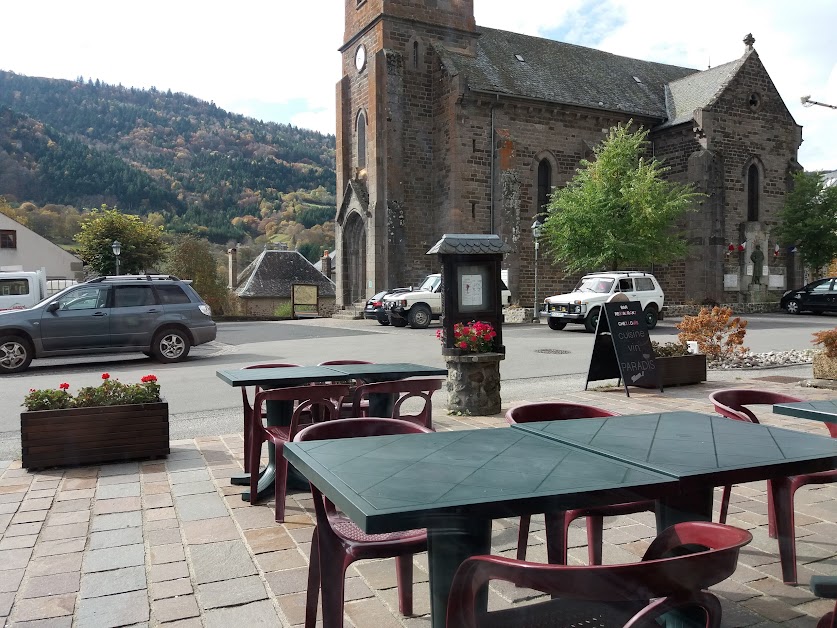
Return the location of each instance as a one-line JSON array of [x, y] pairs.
[[105, 375], [463, 345], [64, 386], [149, 378]]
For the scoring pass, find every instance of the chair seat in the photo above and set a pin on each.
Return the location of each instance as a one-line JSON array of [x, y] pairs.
[[345, 528], [278, 433]]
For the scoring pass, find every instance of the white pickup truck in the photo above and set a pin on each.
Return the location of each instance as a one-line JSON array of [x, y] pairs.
[[420, 306], [21, 289]]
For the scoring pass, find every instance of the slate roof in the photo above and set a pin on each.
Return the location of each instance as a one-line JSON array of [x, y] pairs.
[[273, 273], [697, 90], [563, 73], [469, 244]]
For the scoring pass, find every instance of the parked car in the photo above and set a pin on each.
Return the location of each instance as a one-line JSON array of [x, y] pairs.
[[817, 297], [374, 305], [159, 315], [584, 303]]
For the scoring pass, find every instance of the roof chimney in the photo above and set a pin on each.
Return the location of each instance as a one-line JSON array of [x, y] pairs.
[[326, 264], [749, 40], [232, 283]]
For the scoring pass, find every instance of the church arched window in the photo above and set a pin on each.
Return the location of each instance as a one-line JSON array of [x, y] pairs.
[[361, 140], [544, 184], [753, 193]]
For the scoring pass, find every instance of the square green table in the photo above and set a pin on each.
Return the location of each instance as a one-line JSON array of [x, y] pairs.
[[825, 411], [280, 412], [455, 483], [701, 452]]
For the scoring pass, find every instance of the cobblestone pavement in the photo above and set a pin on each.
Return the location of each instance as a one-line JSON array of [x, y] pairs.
[[170, 542]]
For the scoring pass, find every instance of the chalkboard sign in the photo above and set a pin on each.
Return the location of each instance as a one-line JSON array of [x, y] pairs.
[[622, 348]]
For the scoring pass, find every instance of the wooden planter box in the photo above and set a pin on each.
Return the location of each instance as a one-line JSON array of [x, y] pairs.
[[682, 369], [75, 436]]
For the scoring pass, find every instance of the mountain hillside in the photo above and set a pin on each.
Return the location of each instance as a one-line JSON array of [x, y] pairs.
[[201, 168]]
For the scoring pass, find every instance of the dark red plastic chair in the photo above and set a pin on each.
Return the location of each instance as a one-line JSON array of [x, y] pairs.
[[826, 586], [317, 402], [419, 388], [732, 403], [636, 594], [337, 542], [248, 409], [558, 524], [346, 409]]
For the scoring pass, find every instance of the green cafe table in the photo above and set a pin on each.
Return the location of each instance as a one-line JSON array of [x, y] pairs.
[[701, 452], [455, 483], [825, 411], [279, 412]]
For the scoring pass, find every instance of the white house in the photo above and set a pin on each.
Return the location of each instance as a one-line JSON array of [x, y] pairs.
[[23, 249]]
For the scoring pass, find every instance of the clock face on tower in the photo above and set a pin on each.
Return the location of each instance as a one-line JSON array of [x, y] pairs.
[[360, 57]]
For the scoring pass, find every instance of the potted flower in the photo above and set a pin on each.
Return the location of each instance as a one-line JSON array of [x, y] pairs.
[[825, 362], [677, 366], [473, 368], [104, 423], [475, 337]]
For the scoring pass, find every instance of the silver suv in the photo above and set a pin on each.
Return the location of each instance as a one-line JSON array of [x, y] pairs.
[[159, 315], [583, 304]]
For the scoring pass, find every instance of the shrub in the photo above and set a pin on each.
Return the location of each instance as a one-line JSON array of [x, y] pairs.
[[828, 339], [669, 349], [284, 310], [718, 335], [111, 392]]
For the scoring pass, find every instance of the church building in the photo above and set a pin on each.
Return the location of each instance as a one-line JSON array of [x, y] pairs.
[[444, 126]]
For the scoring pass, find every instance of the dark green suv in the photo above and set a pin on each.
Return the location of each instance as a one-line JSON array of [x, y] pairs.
[[159, 315]]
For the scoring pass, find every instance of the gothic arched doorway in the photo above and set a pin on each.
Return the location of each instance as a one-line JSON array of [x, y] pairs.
[[354, 259]]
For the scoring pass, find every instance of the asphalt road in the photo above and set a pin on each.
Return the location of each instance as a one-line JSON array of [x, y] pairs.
[[539, 363]]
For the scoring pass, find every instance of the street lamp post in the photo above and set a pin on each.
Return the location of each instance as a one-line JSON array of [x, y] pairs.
[[117, 249], [807, 102], [537, 226]]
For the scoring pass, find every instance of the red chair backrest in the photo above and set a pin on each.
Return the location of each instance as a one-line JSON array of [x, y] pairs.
[[419, 388], [338, 362], [554, 411], [658, 575], [732, 402], [318, 402]]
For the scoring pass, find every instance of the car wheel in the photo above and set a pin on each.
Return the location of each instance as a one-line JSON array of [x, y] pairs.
[[792, 306], [556, 324], [397, 322], [382, 318], [651, 317], [592, 321], [15, 354], [171, 345], [420, 317]]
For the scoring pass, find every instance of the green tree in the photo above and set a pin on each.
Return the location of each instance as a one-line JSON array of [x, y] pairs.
[[310, 251], [618, 210], [191, 258], [808, 220], [142, 244]]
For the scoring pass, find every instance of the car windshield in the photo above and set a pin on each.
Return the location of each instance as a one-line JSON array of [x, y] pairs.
[[594, 284], [430, 283]]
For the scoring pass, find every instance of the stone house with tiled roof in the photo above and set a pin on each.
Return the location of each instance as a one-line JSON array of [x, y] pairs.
[[268, 283], [447, 127]]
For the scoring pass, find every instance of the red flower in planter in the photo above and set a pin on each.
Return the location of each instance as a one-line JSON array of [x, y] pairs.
[[105, 375], [149, 378], [64, 386]]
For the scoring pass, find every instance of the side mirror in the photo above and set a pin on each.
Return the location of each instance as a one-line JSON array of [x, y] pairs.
[[52, 307]]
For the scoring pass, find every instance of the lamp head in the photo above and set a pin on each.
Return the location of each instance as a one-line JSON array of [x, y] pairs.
[[116, 247], [537, 227], [806, 101]]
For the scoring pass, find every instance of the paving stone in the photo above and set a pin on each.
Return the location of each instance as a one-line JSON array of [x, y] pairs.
[[113, 558], [85, 493], [69, 531], [161, 524], [23, 528], [163, 537], [53, 548], [43, 607], [193, 488], [35, 504], [171, 588], [203, 506], [54, 564], [255, 614], [17, 542], [117, 520], [66, 518], [114, 581], [7, 600], [285, 559], [189, 477], [210, 530], [119, 469], [14, 558], [185, 466], [175, 608], [10, 580], [76, 484], [112, 491], [168, 571], [254, 517], [232, 592], [8, 509], [55, 584], [120, 504], [30, 516], [221, 561], [40, 492], [288, 581], [121, 609], [155, 488], [160, 500], [71, 506], [55, 622], [115, 538], [170, 553], [770, 608], [268, 539], [159, 514]]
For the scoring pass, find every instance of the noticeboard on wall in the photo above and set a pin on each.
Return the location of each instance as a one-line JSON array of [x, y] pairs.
[[305, 298]]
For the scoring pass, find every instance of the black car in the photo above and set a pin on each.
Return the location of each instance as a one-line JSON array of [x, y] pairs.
[[373, 305], [817, 297]]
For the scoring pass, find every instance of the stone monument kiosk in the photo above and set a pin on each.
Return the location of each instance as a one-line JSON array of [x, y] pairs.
[[471, 292]]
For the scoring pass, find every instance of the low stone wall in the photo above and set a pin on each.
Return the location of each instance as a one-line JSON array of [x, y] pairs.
[[678, 310]]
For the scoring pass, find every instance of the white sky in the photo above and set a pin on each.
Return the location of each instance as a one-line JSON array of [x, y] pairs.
[[277, 59]]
